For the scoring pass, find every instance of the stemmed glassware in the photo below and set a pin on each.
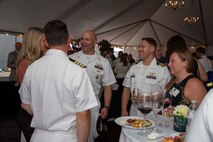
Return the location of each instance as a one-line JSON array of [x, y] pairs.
[[165, 103], [135, 95], [157, 106], [145, 106]]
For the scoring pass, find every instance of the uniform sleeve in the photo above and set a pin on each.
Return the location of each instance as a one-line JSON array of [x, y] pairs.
[[24, 90], [108, 77], [164, 77], [84, 95], [201, 127], [127, 80]]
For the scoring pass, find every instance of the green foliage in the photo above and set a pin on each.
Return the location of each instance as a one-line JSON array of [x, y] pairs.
[[105, 46]]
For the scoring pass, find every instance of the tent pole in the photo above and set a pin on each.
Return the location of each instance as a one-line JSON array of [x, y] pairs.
[[73, 9], [178, 32], [141, 21], [155, 32], [134, 34], [203, 22], [119, 14], [124, 32]]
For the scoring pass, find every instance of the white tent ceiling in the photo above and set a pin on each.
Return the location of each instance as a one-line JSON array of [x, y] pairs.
[[122, 22]]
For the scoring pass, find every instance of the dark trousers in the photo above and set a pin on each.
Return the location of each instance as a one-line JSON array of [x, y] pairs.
[[24, 121], [9, 130]]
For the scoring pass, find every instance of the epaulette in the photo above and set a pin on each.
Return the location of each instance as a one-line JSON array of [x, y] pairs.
[[77, 63], [161, 64], [210, 84]]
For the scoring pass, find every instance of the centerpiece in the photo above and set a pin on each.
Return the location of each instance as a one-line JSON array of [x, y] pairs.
[[181, 113]]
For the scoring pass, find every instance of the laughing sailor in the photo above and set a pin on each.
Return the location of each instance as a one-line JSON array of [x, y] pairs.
[[144, 75]]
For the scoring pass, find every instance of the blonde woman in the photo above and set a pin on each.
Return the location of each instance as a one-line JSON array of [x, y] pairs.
[[34, 46], [185, 86]]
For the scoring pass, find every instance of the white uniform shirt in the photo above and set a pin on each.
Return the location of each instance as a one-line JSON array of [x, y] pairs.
[[141, 77], [56, 89], [206, 63], [144, 77], [201, 127], [98, 69]]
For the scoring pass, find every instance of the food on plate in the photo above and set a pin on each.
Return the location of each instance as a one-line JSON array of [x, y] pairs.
[[168, 139], [179, 138], [139, 123], [131, 120]]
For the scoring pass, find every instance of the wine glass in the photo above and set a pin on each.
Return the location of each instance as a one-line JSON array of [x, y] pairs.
[[145, 106], [156, 97], [165, 103], [135, 94]]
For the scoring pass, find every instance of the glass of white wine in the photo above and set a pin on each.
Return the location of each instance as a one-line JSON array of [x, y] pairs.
[[165, 103], [156, 97]]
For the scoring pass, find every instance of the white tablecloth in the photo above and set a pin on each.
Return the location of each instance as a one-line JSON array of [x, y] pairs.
[[131, 135], [4, 74]]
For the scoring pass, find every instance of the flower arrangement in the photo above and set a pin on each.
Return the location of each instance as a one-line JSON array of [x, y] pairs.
[[181, 111], [180, 118]]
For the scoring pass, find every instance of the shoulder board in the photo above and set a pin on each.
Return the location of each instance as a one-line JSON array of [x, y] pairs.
[[210, 84], [161, 64], [77, 63]]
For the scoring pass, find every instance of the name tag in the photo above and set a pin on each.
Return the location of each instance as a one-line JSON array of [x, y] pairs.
[[174, 92]]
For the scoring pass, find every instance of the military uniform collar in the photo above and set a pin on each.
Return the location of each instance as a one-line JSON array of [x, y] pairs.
[[154, 61], [56, 52]]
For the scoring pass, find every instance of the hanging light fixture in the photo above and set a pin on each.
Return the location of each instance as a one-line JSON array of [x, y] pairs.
[[174, 4], [191, 20]]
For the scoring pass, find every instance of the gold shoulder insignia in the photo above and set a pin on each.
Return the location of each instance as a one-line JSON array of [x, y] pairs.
[[77, 63], [161, 64], [210, 84]]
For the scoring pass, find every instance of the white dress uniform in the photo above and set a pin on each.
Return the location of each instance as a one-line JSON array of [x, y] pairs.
[[100, 74], [201, 127], [144, 77], [56, 89]]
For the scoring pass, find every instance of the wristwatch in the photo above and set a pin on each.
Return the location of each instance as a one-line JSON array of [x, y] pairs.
[[107, 107]]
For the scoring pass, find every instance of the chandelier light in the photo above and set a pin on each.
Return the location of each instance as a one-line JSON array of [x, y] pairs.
[[191, 20], [174, 4]]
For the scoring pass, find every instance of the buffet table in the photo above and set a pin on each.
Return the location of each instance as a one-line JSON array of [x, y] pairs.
[[133, 135]]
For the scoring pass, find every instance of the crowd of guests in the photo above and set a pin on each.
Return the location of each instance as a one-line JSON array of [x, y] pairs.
[[61, 94]]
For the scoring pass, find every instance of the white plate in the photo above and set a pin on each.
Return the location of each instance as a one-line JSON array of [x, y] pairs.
[[122, 121]]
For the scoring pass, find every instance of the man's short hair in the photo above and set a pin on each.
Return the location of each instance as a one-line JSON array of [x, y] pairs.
[[56, 32], [201, 50], [150, 41]]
